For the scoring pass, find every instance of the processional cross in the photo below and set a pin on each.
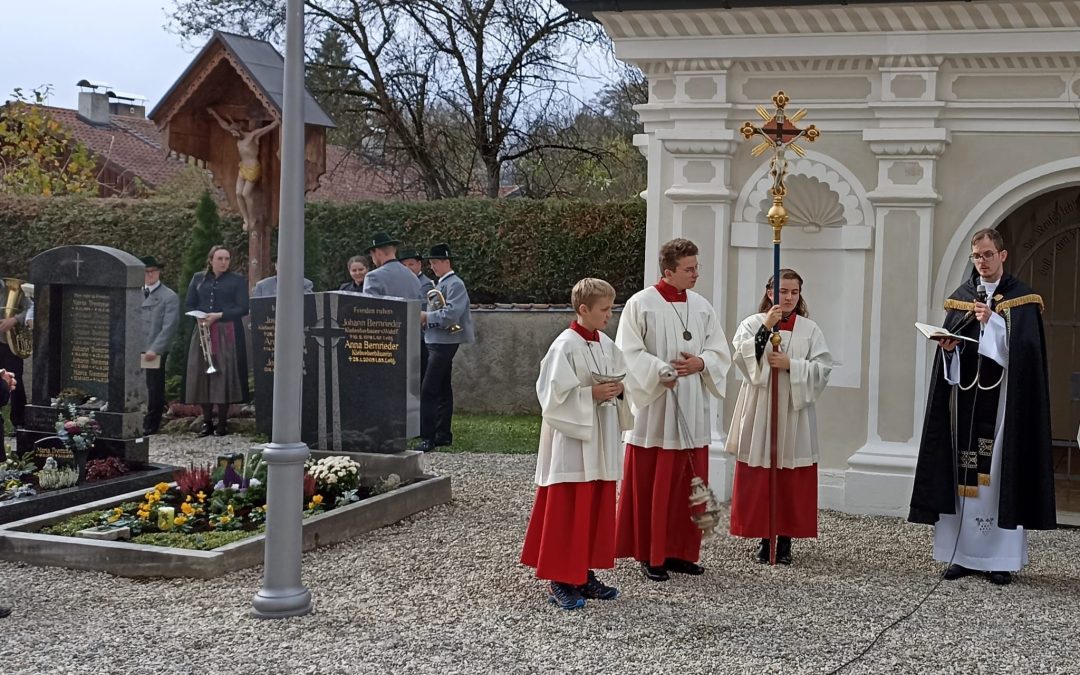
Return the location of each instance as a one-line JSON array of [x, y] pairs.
[[778, 133]]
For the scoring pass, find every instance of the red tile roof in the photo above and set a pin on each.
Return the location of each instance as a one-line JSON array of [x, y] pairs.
[[349, 178], [133, 146]]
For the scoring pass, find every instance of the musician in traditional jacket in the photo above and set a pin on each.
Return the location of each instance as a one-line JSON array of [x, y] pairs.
[[985, 474], [803, 365], [446, 328], [571, 531], [160, 318], [13, 363], [676, 358], [223, 296], [415, 262]]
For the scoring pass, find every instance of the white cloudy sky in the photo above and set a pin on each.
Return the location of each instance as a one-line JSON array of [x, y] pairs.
[[59, 42], [124, 43]]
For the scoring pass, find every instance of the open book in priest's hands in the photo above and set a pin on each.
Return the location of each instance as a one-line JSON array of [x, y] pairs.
[[939, 333], [197, 313]]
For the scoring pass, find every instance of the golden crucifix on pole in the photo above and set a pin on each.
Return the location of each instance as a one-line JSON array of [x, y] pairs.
[[778, 133]]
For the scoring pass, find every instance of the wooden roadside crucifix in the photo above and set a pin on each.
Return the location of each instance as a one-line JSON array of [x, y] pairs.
[[778, 133], [224, 110]]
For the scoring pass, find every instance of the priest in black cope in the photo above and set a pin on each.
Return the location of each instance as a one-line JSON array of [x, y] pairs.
[[985, 474]]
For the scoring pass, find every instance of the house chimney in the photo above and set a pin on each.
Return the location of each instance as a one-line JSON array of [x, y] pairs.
[[123, 104], [93, 102]]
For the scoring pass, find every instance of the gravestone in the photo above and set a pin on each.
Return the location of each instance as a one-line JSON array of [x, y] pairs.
[[87, 335], [361, 379]]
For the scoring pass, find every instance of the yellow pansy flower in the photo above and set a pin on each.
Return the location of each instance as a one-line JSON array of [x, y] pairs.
[[179, 520], [162, 487]]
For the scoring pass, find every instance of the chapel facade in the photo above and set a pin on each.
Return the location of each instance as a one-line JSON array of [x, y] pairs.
[[938, 119]]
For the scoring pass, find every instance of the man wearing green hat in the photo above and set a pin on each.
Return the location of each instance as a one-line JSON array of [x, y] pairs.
[[391, 278], [415, 262], [160, 315], [448, 327]]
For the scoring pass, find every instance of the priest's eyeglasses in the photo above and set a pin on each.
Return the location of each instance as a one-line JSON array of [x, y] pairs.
[[976, 258]]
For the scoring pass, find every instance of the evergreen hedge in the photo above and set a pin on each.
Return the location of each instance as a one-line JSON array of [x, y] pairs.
[[505, 250]]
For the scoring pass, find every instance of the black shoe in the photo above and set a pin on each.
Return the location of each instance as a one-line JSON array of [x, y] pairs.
[[763, 552], [654, 573], [1001, 578], [443, 441], [425, 446], [221, 429], [566, 596], [683, 567], [594, 589], [207, 430], [956, 572], [783, 550], [4, 611]]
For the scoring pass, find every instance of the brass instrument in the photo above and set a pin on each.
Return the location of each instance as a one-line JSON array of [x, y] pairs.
[[20, 338], [204, 340], [435, 300]]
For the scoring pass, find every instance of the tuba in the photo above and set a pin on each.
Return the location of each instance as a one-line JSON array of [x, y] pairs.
[[435, 300], [20, 338]]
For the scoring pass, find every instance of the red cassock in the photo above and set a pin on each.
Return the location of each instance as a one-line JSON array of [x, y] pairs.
[[654, 522], [571, 531], [796, 502]]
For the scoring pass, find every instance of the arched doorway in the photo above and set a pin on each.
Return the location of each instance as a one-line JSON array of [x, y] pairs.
[[1043, 240]]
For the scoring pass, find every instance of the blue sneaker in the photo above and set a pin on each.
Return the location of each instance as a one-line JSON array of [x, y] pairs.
[[566, 596], [594, 589]]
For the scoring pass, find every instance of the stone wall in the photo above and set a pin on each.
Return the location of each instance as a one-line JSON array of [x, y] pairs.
[[497, 373]]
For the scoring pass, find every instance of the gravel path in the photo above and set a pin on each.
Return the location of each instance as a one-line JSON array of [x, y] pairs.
[[443, 593]]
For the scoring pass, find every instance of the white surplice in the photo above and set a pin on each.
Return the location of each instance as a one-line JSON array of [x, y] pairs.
[[748, 438], [972, 531], [650, 336], [579, 439]]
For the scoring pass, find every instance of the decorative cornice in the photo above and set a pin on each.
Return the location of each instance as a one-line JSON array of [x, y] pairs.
[[705, 147], [908, 62], [673, 66], [915, 142], [818, 66], [911, 17]]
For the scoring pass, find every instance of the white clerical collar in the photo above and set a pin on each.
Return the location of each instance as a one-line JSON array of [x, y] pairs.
[[151, 289], [445, 275], [991, 286]]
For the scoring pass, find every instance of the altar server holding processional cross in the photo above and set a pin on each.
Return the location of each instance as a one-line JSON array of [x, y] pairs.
[[804, 365], [676, 358]]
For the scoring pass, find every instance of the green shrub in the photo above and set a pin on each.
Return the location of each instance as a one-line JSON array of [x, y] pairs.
[[515, 250]]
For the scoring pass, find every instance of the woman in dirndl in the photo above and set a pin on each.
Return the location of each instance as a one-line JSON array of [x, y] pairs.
[[222, 296]]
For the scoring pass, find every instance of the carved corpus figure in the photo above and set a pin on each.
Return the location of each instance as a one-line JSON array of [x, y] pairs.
[[250, 171]]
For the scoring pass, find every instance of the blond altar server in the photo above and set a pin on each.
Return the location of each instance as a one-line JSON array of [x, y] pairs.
[[676, 357], [572, 528], [804, 365]]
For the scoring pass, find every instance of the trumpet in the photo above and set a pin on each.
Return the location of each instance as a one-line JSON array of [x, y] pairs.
[[204, 340], [435, 300]]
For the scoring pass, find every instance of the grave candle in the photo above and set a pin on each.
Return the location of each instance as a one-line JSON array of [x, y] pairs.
[[165, 516]]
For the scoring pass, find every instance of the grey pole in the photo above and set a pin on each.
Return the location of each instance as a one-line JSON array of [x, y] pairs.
[[282, 593]]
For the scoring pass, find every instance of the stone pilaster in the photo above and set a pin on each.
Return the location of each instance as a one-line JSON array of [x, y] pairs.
[[879, 476]]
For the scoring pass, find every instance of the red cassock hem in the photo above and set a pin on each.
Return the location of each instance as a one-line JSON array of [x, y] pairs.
[[571, 531], [653, 522], [796, 502]]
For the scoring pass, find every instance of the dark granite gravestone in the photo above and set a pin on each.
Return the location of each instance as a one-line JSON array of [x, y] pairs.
[[361, 384], [87, 335]]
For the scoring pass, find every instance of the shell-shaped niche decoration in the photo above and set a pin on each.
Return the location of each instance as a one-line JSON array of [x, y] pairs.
[[817, 197], [811, 204]]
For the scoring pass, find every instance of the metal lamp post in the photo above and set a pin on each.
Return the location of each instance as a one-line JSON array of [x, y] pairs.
[[282, 593]]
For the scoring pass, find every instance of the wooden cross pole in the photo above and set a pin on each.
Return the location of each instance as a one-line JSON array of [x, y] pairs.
[[778, 133]]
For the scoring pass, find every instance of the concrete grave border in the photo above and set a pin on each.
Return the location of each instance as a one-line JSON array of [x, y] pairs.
[[20, 541]]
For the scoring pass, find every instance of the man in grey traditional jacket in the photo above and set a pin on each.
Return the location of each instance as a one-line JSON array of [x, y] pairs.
[[391, 279], [160, 316], [448, 327]]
